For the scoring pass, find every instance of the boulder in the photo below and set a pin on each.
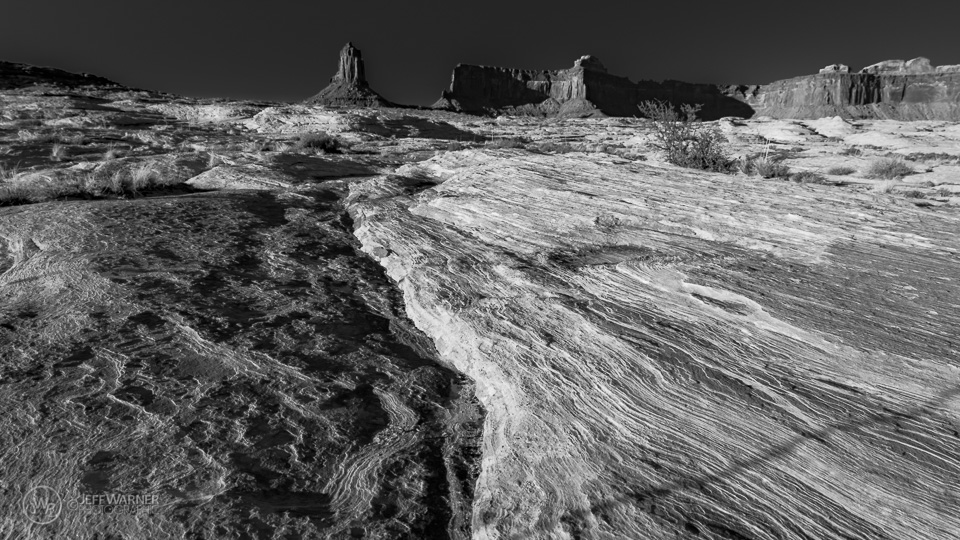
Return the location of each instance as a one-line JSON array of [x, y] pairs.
[[349, 88]]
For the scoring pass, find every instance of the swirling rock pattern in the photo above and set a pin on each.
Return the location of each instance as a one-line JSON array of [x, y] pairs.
[[664, 353]]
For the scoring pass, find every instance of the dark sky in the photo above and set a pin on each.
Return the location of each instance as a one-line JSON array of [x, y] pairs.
[[287, 50]]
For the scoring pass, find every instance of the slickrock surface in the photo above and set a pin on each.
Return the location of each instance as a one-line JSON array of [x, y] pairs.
[[667, 353], [349, 87]]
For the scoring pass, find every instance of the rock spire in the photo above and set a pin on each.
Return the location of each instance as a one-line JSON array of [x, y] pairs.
[[348, 87]]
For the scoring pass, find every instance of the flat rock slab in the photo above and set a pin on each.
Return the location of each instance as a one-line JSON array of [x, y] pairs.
[[664, 352]]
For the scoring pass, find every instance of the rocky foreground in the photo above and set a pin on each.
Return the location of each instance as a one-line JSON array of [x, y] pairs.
[[458, 327]]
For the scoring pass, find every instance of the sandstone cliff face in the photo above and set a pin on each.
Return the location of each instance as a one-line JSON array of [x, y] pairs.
[[349, 88], [893, 89], [586, 89]]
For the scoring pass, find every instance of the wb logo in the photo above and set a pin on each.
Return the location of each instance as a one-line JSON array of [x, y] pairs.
[[42, 505]]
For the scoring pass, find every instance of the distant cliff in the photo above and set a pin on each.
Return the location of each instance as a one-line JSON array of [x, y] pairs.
[[893, 89], [14, 75], [586, 89]]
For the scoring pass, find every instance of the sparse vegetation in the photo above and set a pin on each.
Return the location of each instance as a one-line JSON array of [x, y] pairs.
[[841, 171], [57, 152], [852, 151], [888, 169], [550, 147], [945, 192], [113, 152], [768, 167], [8, 173], [507, 142], [809, 177], [686, 141], [914, 194], [320, 141], [932, 156]]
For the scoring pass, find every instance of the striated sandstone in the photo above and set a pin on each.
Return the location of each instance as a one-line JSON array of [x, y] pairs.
[[663, 353]]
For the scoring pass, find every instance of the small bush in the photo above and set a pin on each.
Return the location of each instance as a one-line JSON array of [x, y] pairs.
[[552, 148], [889, 169], [320, 141], [809, 177], [768, 167], [113, 152], [884, 187], [841, 171], [945, 192], [143, 177], [851, 151], [8, 173], [508, 142], [686, 141], [914, 194], [57, 152]]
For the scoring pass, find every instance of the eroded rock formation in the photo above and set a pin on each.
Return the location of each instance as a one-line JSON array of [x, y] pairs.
[[349, 88], [894, 89], [586, 89]]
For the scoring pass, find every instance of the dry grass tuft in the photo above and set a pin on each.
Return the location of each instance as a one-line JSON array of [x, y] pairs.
[[888, 169], [320, 141]]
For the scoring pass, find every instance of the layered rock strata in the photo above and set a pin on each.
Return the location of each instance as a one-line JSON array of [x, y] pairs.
[[349, 87], [586, 89], [893, 89]]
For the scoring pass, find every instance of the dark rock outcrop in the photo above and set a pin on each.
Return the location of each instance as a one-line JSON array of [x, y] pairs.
[[14, 75], [586, 89], [893, 89], [349, 88]]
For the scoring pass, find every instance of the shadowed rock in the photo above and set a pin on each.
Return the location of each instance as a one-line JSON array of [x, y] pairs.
[[584, 90], [349, 88]]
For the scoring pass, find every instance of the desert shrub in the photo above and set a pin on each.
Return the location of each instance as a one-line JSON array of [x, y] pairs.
[[143, 177], [507, 142], [14, 193], [841, 171], [686, 141], [889, 168], [551, 147], [321, 141], [884, 187], [914, 194], [852, 151], [770, 167], [113, 151], [808, 177], [8, 173]]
